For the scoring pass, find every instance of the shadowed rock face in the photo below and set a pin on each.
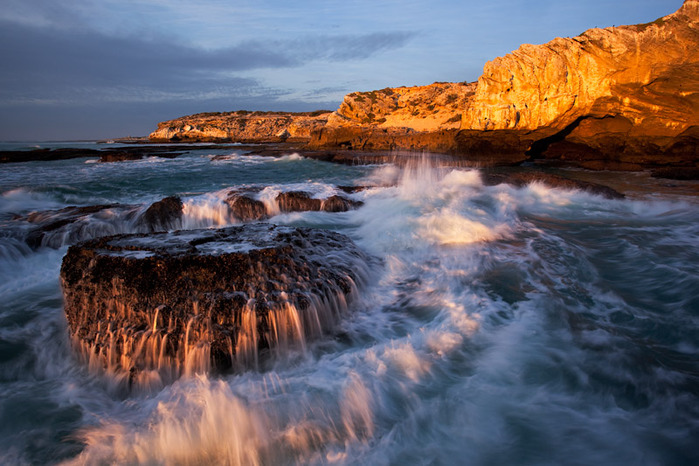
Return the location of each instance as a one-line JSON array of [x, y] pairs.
[[162, 215], [180, 302], [245, 208]]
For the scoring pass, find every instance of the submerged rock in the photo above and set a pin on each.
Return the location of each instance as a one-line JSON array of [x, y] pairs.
[[175, 303], [55, 228]]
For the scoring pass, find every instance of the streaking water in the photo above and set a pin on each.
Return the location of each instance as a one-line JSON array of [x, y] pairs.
[[503, 326]]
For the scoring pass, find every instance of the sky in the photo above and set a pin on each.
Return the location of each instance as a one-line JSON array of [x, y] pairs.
[[93, 69]]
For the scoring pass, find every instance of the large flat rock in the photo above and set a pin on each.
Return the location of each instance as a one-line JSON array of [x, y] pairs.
[[167, 304]]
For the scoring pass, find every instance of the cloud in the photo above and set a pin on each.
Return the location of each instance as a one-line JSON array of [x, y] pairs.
[[46, 65]]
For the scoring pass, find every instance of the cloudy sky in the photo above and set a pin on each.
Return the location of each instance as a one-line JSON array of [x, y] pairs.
[[89, 69]]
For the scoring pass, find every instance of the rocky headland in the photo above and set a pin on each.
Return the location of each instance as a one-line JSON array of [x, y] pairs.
[[623, 97], [241, 126]]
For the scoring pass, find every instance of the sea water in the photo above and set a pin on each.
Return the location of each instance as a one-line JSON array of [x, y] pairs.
[[501, 325]]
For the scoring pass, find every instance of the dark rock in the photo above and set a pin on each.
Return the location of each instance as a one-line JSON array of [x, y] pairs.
[[162, 215], [120, 156], [369, 138], [297, 201], [352, 189], [179, 302], [677, 173], [521, 179], [45, 155], [245, 208], [339, 204]]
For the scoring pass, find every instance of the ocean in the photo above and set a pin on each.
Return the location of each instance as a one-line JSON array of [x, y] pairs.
[[500, 326]]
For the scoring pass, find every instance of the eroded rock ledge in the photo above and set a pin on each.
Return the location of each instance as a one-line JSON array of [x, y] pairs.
[[167, 304]]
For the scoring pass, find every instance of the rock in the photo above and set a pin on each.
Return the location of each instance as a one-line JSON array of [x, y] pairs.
[[45, 154], [678, 173], [245, 208], [120, 156], [297, 201], [176, 303], [621, 97], [645, 73], [241, 126], [339, 204], [370, 138], [162, 215], [430, 108]]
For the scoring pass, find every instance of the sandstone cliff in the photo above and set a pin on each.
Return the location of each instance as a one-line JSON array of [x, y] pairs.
[[620, 97], [414, 118], [241, 126], [648, 74], [434, 107]]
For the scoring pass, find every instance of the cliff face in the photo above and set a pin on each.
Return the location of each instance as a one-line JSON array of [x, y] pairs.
[[434, 107], [412, 118], [241, 126], [617, 98], [647, 74]]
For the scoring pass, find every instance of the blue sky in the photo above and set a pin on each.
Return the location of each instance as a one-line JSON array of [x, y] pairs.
[[88, 69]]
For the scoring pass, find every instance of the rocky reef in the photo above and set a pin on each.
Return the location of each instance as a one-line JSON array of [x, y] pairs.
[[151, 307]]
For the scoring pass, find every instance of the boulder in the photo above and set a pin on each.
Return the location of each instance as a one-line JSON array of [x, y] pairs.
[[245, 207], [297, 201], [162, 215], [167, 304]]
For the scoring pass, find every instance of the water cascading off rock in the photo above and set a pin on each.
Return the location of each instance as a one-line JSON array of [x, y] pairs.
[[168, 304]]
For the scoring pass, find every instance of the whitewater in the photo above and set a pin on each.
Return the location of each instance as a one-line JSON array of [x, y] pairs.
[[499, 325]]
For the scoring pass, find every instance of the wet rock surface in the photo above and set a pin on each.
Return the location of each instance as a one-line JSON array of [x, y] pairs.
[[245, 207], [162, 215], [187, 301], [54, 228]]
